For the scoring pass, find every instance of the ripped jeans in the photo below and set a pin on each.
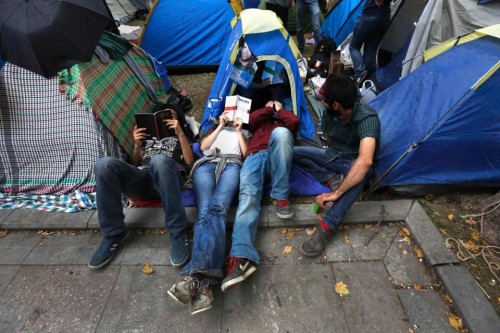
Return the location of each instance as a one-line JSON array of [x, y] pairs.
[[214, 200]]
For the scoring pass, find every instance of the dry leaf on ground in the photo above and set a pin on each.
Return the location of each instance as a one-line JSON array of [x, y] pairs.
[[407, 239], [456, 322], [404, 232], [470, 221], [476, 235], [346, 237], [341, 288], [3, 233], [310, 231], [287, 249], [418, 252], [417, 287], [147, 269], [283, 230], [443, 231], [447, 298], [41, 244], [451, 217], [290, 234], [471, 246]]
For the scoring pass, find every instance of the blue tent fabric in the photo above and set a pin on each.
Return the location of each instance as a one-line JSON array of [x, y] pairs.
[[1, 63], [436, 129], [268, 44], [187, 33], [340, 21]]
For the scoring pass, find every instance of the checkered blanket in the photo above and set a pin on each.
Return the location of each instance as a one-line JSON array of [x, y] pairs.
[[114, 93], [48, 143]]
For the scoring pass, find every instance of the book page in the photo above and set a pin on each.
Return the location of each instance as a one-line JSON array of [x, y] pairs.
[[272, 70], [238, 107]]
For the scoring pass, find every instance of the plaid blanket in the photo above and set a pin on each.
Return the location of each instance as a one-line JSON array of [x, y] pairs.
[[65, 203], [114, 93], [48, 143]]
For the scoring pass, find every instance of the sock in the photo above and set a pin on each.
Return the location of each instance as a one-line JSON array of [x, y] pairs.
[[325, 226]]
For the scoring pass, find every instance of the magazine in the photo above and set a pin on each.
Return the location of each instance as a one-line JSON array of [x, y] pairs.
[[154, 125], [272, 71], [238, 107]]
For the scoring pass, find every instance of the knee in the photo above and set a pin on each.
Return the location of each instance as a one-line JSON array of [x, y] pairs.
[[281, 136], [105, 164], [161, 161]]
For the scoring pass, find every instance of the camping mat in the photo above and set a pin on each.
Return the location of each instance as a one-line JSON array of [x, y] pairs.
[[114, 93], [48, 144]]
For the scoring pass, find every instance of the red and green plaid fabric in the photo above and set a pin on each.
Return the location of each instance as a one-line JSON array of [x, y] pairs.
[[114, 93]]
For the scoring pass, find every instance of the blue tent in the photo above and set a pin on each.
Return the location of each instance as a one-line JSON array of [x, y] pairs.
[[339, 23], [441, 123], [268, 40], [187, 33]]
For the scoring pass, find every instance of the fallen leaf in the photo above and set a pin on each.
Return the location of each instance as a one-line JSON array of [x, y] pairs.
[[470, 221], [447, 298], [147, 269], [472, 265], [405, 252], [456, 322], [310, 231], [476, 235], [3, 233], [471, 246], [418, 252], [287, 249], [407, 239], [404, 232], [290, 234], [442, 231], [451, 217], [341, 288], [375, 230], [346, 237], [498, 299], [400, 245], [417, 287], [41, 244], [437, 214], [410, 330], [283, 230]]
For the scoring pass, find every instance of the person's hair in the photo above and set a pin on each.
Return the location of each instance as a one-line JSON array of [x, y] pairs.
[[340, 88]]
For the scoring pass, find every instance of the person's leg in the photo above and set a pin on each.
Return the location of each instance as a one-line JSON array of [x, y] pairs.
[[312, 160], [360, 35], [315, 20], [300, 7], [214, 201], [378, 29], [279, 161]]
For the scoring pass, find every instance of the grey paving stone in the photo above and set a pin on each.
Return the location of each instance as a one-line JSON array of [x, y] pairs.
[[428, 238], [371, 305], [30, 219], [279, 298], [404, 266], [64, 249], [303, 216], [472, 306], [16, 246], [369, 211], [3, 215], [378, 245], [271, 243], [55, 299], [151, 248], [337, 249], [139, 303], [7, 273], [426, 310]]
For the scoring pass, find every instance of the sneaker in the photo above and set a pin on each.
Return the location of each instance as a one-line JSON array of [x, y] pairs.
[[283, 209], [202, 301], [316, 244], [310, 41], [184, 291], [239, 269], [335, 181], [106, 250], [179, 249]]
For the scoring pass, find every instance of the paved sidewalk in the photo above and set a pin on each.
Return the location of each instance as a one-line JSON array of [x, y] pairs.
[[46, 286]]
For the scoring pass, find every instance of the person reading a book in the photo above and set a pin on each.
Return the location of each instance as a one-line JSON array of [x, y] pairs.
[[215, 180], [269, 156], [346, 165], [157, 170]]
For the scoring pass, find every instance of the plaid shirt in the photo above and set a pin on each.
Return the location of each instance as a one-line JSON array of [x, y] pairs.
[[345, 137]]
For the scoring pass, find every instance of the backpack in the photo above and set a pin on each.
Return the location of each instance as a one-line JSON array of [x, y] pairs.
[[322, 53]]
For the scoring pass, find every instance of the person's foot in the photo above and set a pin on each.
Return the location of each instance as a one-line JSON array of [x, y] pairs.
[[179, 249], [106, 250], [203, 298], [183, 292], [334, 182], [283, 209], [238, 270], [315, 245], [310, 41]]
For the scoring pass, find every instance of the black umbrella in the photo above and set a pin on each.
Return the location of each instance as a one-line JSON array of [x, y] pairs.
[[46, 36]]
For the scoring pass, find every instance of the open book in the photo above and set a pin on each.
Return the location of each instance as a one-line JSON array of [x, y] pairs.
[[238, 107], [154, 125], [272, 70]]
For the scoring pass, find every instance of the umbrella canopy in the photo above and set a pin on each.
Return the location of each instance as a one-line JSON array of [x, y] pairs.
[[46, 36]]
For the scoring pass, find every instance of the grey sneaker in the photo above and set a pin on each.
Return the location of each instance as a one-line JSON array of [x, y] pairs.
[[335, 181], [316, 244], [202, 301], [179, 249], [182, 292], [283, 209]]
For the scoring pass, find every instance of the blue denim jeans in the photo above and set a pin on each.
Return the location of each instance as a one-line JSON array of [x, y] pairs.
[[311, 6], [214, 200], [368, 32], [275, 163], [312, 160], [162, 180]]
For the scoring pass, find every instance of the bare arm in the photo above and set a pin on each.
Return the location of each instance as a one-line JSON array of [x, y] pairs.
[[208, 141], [187, 152], [139, 136], [356, 174]]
